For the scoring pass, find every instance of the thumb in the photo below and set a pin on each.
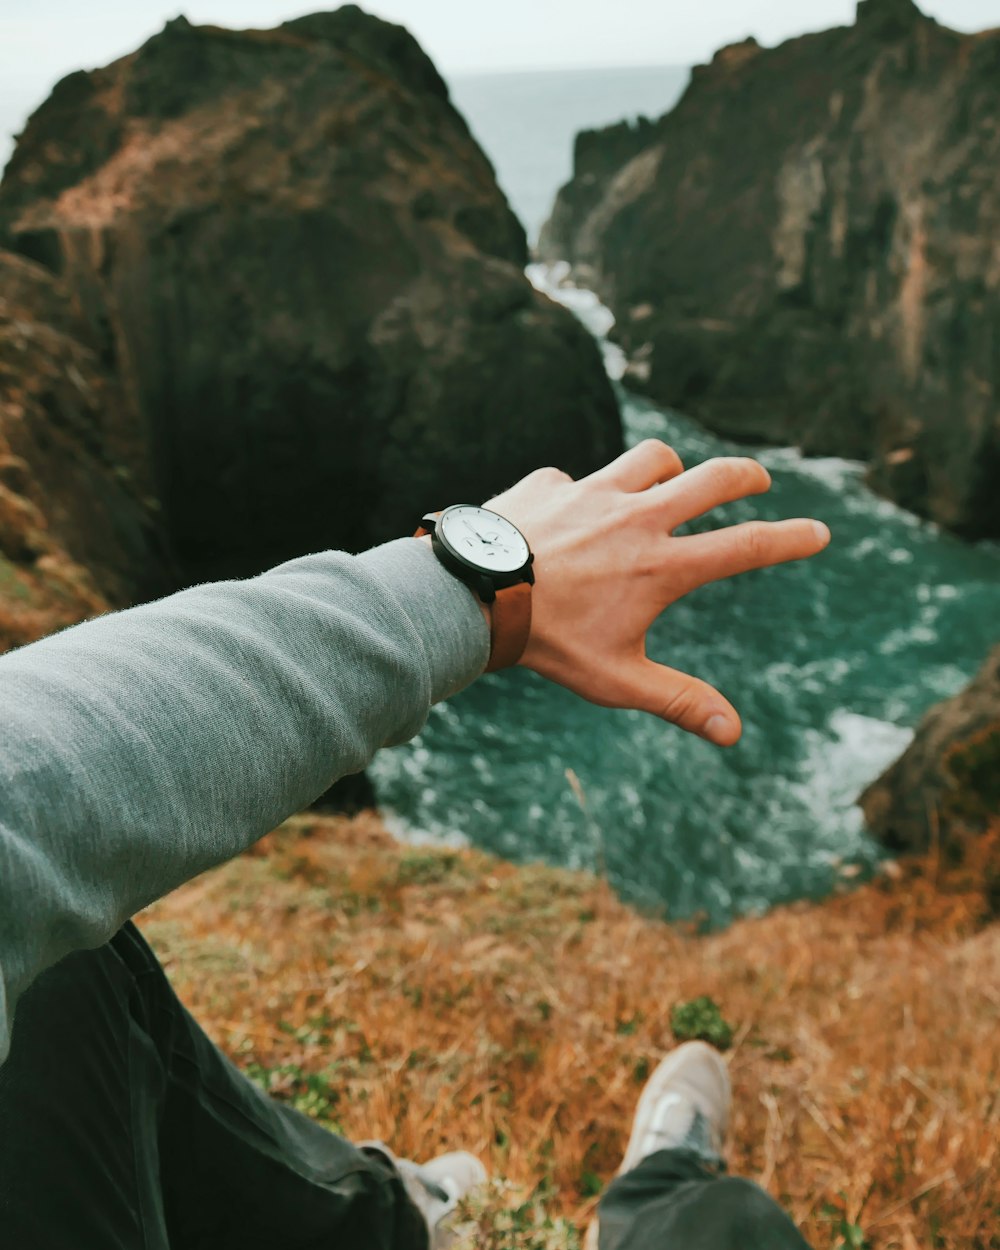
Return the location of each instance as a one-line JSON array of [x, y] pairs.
[[685, 701]]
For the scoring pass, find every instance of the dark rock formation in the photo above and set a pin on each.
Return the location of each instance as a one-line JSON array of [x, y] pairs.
[[804, 250], [298, 261], [947, 784], [350, 795], [77, 525]]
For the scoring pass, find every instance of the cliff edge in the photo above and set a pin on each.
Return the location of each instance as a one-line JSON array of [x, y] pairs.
[[296, 260], [804, 251], [946, 785], [78, 524]]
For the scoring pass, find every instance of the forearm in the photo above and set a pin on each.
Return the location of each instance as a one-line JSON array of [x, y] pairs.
[[139, 749]]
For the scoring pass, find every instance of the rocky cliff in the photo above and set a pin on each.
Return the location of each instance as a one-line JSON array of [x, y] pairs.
[[804, 250], [78, 526], [297, 262], [947, 784]]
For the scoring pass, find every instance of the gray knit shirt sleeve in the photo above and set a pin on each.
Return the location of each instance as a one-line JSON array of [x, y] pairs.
[[140, 748]]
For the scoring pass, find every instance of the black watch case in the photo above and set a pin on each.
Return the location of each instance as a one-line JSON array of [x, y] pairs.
[[484, 581]]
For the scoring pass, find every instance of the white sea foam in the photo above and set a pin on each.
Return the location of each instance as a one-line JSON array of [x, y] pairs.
[[832, 471], [842, 759], [410, 835], [907, 637], [555, 282]]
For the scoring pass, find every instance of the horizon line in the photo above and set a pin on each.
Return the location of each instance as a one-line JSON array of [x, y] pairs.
[[510, 71]]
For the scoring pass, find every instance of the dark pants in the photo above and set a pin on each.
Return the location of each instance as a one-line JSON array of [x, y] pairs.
[[123, 1128], [672, 1201]]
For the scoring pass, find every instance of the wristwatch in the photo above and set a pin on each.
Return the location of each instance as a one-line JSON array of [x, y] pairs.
[[489, 554]]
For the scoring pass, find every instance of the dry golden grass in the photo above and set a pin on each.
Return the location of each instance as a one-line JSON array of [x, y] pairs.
[[41, 596], [438, 999]]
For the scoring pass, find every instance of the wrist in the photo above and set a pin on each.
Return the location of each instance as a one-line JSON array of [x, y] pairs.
[[412, 581], [485, 608]]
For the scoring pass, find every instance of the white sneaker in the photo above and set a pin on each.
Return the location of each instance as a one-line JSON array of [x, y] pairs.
[[437, 1187], [683, 1106]]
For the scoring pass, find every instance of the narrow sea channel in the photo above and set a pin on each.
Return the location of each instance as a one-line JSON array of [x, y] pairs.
[[831, 665]]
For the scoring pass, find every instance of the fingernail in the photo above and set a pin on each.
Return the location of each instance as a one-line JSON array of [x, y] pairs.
[[718, 730], [822, 532]]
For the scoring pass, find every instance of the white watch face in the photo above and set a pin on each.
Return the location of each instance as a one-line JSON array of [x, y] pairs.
[[484, 539]]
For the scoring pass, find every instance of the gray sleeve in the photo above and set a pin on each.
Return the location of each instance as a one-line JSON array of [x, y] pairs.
[[139, 749]]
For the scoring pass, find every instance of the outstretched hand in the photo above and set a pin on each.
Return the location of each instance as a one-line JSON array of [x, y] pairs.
[[607, 564]]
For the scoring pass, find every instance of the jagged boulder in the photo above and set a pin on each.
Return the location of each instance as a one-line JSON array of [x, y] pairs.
[[78, 526], [804, 250], [947, 784], [297, 259]]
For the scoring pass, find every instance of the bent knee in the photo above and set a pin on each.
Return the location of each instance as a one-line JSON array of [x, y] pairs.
[[753, 1213]]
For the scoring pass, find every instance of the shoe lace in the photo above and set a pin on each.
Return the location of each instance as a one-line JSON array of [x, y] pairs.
[[432, 1187], [697, 1137]]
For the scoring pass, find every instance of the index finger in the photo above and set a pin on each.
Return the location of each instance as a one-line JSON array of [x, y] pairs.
[[642, 466], [708, 485]]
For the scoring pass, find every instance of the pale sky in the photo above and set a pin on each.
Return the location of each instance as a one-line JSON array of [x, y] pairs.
[[42, 40]]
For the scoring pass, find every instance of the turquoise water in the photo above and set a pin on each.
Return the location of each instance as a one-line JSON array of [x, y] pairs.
[[830, 663]]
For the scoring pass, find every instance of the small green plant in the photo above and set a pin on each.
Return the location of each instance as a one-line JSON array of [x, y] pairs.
[[493, 1219], [312, 1093], [851, 1235], [426, 869], [625, 1028], [590, 1184], [701, 1019]]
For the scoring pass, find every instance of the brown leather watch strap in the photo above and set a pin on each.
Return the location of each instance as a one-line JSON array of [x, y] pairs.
[[510, 613], [511, 626]]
